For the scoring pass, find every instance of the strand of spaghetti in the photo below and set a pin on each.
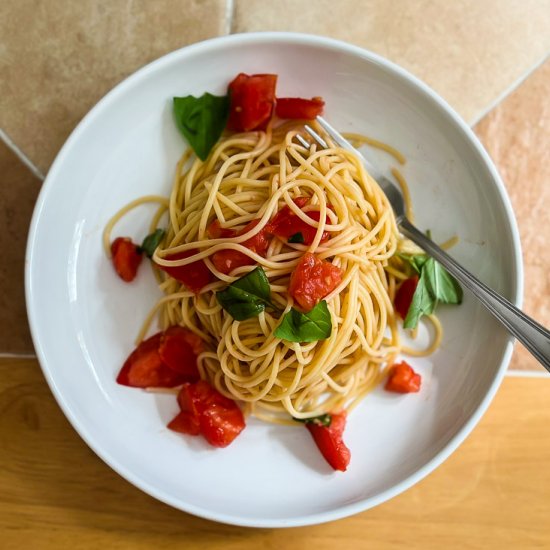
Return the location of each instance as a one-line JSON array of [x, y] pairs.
[[434, 344], [405, 192], [252, 176], [359, 140], [122, 212]]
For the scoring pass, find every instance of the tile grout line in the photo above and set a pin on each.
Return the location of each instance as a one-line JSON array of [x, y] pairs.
[[508, 91], [229, 13], [20, 155]]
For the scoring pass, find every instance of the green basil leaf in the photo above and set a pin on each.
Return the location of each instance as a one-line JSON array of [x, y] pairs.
[[247, 297], [151, 242], [201, 120], [296, 238], [416, 261], [255, 283], [306, 327], [441, 284], [422, 303], [322, 420]]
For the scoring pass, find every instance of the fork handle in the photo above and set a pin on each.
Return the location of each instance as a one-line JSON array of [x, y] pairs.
[[530, 333]]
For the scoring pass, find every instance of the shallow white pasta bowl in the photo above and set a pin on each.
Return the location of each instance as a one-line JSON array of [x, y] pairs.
[[84, 319]]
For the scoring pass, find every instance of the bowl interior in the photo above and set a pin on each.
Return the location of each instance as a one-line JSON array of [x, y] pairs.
[[84, 319]]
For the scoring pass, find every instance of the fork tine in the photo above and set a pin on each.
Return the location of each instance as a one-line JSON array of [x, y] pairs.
[[316, 136], [335, 135], [302, 141], [345, 144]]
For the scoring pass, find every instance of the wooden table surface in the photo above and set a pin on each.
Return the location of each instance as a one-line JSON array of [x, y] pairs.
[[494, 492]]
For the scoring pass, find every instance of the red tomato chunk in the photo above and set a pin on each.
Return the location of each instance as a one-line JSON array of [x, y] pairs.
[[205, 411], [216, 231], [296, 107], [252, 99], [126, 258], [404, 296], [403, 379], [144, 367], [285, 223], [179, 349], [194, 276], [228, 260], [329, 441], [165, 360], [312, 280]]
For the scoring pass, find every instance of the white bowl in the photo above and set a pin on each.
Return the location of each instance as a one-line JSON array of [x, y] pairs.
[[84, 320]]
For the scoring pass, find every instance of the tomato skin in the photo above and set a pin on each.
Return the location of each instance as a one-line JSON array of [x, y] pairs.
[[185, 423], [404, 296], [252, 100], [194, 276], [144, 367], [329, 441], [221, 425], [259, 243], [226, 261], [403, 379], [126, 258], [205, 411], [178, 349], [285, 223], [299, 108], [312, 279], [165, 360], [216, 231]]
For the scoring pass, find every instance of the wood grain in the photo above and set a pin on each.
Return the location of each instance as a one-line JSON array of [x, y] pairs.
[[494, 492]]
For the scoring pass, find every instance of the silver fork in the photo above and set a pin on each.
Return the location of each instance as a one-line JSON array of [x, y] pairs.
[[530, 333]]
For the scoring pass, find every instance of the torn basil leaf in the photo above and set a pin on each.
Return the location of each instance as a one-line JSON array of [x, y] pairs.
[[435, 285], [151, 242], [441, 284], [247, 297], [306, 327], [321, 420], [297, 238], [201, 120]]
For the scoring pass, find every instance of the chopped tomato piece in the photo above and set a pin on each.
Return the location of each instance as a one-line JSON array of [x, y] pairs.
[[285, 223], [185, 423], [404, 296], [329, 441], [228, 260], [403, 379], [216, 231], [144, 367], [218, 418], [259, 243], [194, 275], [252, 98], [312, 279], [179, 348], [126, 258], [296, 107]]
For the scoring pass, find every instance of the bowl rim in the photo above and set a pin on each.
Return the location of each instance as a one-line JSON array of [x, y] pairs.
[[298, 39]]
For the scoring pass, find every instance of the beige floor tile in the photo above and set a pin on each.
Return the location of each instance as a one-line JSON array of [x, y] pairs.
[[63, 56], [18, 194], [469, 51], [517, 135]]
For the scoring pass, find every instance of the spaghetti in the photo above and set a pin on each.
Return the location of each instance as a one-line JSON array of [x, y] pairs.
[[250, 177]]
